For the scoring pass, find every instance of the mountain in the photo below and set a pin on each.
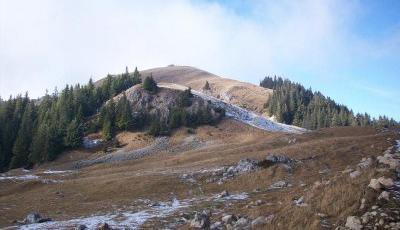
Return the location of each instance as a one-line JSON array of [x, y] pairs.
[[242, 94], [142, 150]]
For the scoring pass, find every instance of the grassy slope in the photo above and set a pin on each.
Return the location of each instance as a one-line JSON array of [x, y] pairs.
[[105, 187]]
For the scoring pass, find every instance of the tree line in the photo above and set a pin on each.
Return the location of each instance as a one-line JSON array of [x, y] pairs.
[[34, 131], [291, 103]]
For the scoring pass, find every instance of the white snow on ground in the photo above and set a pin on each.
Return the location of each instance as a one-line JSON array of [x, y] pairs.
[[240, 114], [130, 219], [398, 145], [20, 178], [57, 171], [120, 220]]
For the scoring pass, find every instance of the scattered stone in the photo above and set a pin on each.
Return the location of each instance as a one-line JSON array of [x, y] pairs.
[[300, 202], [384, 195], [353, 223], [322, 215], [278, 185], [201, 220]]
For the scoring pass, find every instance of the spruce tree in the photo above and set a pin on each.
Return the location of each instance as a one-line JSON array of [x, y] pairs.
[[74, 134], [149, 84], [124, 113], [21, 149]]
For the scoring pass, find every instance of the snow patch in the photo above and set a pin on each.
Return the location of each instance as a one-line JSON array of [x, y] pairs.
[[119, 220], [21, 178], [57, 171]]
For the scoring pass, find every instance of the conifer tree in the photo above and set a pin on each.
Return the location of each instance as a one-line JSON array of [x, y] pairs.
[[22, 144], [74, 134], [149, 84], [124, 113]]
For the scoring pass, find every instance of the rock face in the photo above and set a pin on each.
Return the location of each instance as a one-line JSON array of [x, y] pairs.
[[353, 223], [201, 220], [162, 103]]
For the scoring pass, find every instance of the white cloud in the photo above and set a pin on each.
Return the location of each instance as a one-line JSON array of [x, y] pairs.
[[50, 43]]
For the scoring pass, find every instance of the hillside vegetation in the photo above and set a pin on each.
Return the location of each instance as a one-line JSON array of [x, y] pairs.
[[291, 103], [35, 131]]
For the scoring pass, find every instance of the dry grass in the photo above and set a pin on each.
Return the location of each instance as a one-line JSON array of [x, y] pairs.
[[106, 187]]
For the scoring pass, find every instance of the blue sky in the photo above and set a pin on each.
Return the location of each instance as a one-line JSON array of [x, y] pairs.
[[348, 50]]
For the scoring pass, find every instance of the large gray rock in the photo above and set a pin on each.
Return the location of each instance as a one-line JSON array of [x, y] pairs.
[[228, 219], [386, 182], [201, 220], [242, 222], [374, 184], [354, 223]]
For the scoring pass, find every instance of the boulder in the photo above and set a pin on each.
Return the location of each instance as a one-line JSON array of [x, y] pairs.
[[354, 223], [201, 220], [228, 219], [242, 222], [384, 195], [386, 182], [374, 184], [388, 159]]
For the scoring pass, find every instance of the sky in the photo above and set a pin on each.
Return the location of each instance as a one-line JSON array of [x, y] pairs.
[[347, 49]]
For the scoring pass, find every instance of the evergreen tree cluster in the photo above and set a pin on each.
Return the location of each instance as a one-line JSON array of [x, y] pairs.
[[179, 116], [33, 131], [291, 103]]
